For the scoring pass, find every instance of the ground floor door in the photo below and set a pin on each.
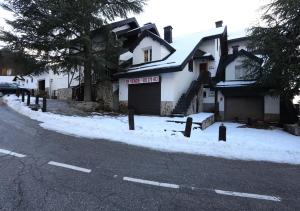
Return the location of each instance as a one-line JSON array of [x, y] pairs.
[[42, 85], [145, 98], [244, 108]]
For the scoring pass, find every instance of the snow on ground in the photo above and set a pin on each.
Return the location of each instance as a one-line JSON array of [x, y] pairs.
[[155, 133]]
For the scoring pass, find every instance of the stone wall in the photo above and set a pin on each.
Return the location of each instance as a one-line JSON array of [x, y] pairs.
[[123, 106], [104, 94], [166, 108], [208, 122], [272, 117], [64, 94], [196, 104]]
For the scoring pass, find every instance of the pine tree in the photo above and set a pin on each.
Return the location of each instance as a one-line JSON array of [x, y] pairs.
[[20, 63], [59, 33], [277, 41]]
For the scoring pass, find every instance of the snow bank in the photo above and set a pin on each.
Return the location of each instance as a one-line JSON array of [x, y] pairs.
[[155, 133]]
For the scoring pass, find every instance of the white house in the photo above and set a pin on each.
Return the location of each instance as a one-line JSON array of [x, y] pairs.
[[168, 76], [237, 97], [194, 73]]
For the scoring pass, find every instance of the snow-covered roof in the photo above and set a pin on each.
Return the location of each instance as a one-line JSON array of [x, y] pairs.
[[237, 34], [184, 46], [126, 56], [234, 83]]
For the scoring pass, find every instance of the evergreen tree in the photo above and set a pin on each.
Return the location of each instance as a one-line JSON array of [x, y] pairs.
[[20, 63], [59, 33], [277, 40]]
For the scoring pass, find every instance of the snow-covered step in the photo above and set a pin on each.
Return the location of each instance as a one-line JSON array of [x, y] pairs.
[[203, 119]]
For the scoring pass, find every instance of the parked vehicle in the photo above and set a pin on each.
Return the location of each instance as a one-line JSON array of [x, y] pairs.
[[10, 88]]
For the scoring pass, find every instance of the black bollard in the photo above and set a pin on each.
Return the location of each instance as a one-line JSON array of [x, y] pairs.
[[249, 122], [18, 93], [44, 108], [37, 100], [188, 127], [28, 98], [222, 133], [131, 119], [23, 96]]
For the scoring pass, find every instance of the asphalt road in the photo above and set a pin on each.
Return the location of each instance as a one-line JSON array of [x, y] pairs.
[[106, 175]]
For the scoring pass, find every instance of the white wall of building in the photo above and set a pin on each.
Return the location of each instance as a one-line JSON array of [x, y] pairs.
[[210, 96], [54, 82], [158, 51], [231, 74], [214, 48], [123, 90], [221, 101]]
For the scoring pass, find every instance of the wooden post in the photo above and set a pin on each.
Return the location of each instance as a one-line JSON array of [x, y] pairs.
[[222, 133], [131, 119], [44, 108], [23, 96], [188, 127], [28, 98]]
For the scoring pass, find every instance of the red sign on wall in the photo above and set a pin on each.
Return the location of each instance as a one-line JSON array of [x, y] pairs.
[[145, 80]]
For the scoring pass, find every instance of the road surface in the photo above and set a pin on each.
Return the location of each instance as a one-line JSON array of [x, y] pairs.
[[45, 170]]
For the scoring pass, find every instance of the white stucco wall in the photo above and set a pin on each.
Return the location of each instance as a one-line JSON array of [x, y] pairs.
[[230, 73], [54, 82], [123, 90], [158, 51], [208, 99], [221, 101], [213, 47], [272, 104], [177, 83]]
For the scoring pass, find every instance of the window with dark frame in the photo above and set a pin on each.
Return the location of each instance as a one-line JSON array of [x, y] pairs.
[[148, 55], [191, 65]]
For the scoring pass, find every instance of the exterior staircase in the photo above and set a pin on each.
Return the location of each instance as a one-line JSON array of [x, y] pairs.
[[185, 100]]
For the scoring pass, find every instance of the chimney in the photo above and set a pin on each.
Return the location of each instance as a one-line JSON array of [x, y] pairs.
[[219, 24], [168, 34], [235, 49]]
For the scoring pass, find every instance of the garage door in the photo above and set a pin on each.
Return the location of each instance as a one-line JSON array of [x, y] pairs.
[[244, 108], [145, 98]]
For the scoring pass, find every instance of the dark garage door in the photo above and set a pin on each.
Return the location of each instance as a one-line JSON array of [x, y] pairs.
[[145, 98], [244, 107]]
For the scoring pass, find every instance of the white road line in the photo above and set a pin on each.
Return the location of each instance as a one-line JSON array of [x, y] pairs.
[[248, 195], [222, 192], [148, 182], [70, 167], [7, 152]]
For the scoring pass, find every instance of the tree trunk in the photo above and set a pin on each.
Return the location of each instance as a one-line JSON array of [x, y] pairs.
[[87, 81], [87, 68]]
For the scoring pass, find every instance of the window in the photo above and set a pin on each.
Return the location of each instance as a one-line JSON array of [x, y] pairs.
[[148, 55], [191, 65]]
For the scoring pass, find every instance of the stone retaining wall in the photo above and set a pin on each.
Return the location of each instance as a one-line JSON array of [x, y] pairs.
[[64, 94]]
